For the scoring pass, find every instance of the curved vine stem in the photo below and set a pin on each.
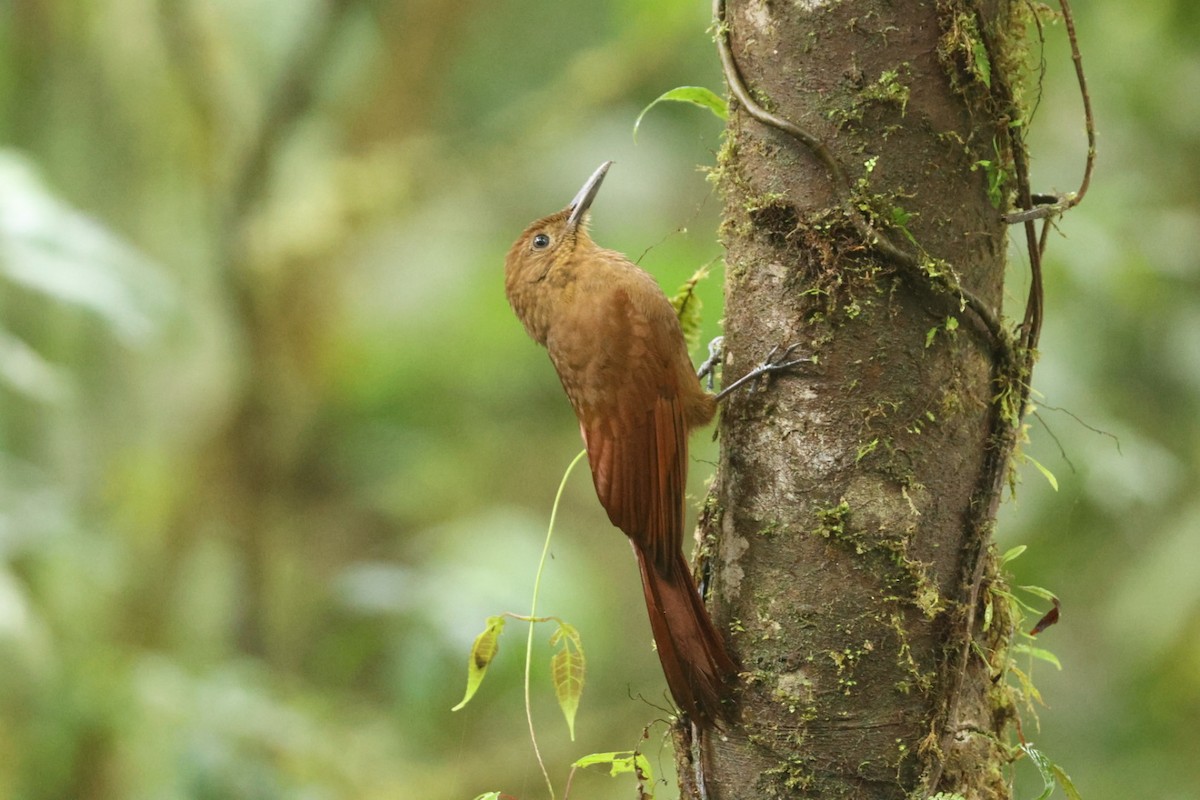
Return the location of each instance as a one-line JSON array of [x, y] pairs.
[[533, 619], [1052, 205], [1019, 370], [874, 238]]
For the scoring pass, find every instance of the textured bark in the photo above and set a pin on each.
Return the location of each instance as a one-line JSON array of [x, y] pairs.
[[846, 517]]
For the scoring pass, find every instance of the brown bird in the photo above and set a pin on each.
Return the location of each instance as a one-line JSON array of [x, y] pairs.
[[619, 351]]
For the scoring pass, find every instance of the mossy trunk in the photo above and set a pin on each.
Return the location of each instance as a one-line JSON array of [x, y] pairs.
[[853, 499]]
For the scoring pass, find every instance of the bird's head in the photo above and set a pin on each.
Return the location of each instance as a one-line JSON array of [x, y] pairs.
[[554, 239]]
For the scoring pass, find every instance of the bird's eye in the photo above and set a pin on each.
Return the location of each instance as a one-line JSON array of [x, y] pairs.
[[541, 241]]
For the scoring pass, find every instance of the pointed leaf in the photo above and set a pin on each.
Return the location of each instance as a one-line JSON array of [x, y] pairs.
[[1012, 553], [1030, 691], [486, 646], [1064, 780], [1049, 476], [687, 307], [1050, 618], [696, 95], [1038, 591], [567, 668], [618, 762], [1043, 765], [621, 762], [1038, 653]]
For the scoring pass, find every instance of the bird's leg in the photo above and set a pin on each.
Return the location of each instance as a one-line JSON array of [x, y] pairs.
[[777, 360], [715, 350]]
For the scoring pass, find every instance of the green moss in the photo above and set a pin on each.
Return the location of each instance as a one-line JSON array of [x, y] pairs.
[[771, 529], [794, 691], [962, 48], [866, 449], [890, 88], [832, 521], [785, 780], [846, 661]]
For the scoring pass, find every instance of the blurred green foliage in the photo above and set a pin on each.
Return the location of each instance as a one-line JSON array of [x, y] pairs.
[[272, 447]]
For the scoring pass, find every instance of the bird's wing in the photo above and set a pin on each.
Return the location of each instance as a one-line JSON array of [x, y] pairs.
[[632, 419]]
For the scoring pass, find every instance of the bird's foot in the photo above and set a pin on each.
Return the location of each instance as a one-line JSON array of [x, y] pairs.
[[716, 349], [777, 360]]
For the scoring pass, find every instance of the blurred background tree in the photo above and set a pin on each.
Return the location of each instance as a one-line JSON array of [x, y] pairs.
[[272, 446]]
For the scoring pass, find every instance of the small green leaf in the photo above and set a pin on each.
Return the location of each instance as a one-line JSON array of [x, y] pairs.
[[486, 646], [696, 95], [1027, 688], [1012, 553], [1045, 472], [52, 248], [1064, 780], [619, 763], [567, 668], [1038, 591], [24, 371], [687, 307], [1039, 653], [983, 64], [1044, 767]]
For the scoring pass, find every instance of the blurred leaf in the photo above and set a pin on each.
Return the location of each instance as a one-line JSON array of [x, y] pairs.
[[53, 249], [982, 64], [696, 95], [567, 668], [1012, 553], [1049, 618], [1038, 591], [1053, 481], [1064, 780], [687, 307], [486, 646], [1051, 774], [24, 371], [1038, 653], [1028, 690]]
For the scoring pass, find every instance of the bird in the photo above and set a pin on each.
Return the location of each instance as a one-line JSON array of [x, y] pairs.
[[616, 343]]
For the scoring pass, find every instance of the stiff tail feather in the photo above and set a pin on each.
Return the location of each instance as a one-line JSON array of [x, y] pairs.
[[699, 670]]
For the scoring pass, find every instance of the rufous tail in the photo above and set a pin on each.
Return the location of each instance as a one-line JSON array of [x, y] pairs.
[[699, 671]]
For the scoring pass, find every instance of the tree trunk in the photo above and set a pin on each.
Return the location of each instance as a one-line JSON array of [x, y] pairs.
[[854, 497]]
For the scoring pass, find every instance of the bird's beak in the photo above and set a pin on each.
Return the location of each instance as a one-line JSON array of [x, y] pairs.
[[583, 200]]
